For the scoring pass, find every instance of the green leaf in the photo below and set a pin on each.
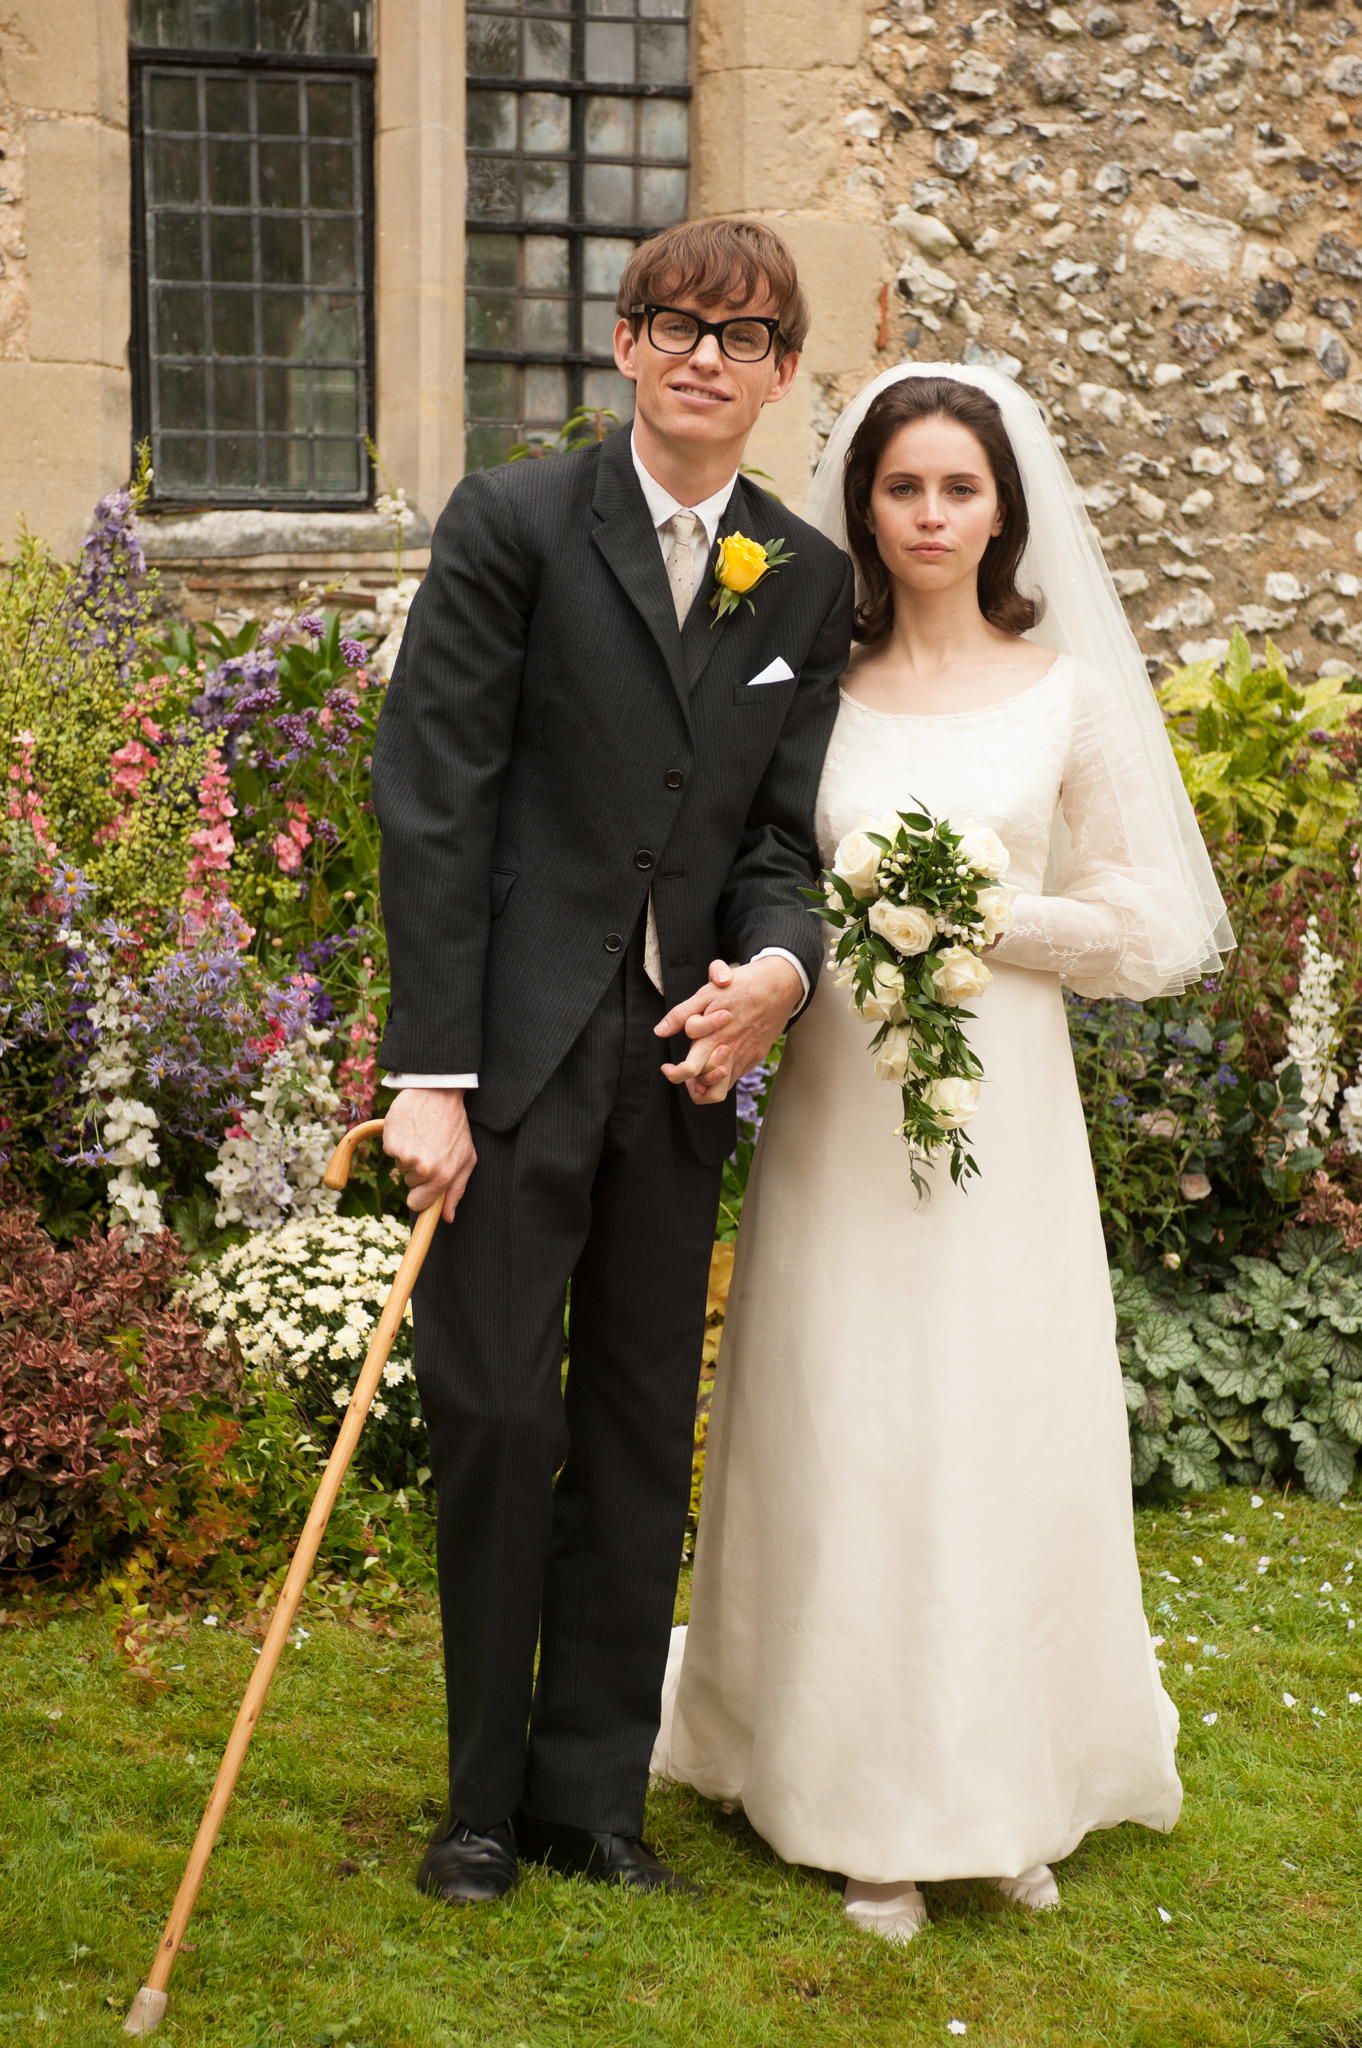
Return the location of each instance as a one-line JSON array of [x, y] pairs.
[[1346, 1410], [1279, 1413], [1146, 1454], [1326, 1459], [1339, 1355], [1131, 1296], [1303, 1355], [1165, 1345], [1193, 1459], [1134, 1394], [1271, 1293], [1304, 1248], [1266, 1448], [1230, 1365], [1227, 1309], [1338, 1299]]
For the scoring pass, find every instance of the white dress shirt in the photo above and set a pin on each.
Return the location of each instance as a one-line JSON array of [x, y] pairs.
[[661, 506]]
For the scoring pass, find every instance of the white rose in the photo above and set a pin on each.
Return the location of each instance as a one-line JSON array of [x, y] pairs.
[[982, 848], [885, 1004], [996, 907], [907, 928], [857, 861], [959, 975], [894, 1055], [953, 1101]]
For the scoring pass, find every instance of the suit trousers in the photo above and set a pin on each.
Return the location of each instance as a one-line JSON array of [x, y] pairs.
[[562, 1512]]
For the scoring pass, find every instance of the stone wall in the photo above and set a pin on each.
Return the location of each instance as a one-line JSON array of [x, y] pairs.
[[1149, 215]]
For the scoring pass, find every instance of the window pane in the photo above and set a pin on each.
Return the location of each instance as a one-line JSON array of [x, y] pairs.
[[546, 121], [174, 102], [285, 398], [610, 53], [176, 245], [342, 28], [546, 396], [229, 173], [546, 263], [233, 323], [335, 330], [286, 466], [331, 176], [608, 190], [491, 259], [284, 323], [491, 391], [335, 467], [330, 108], [281, 174], [182, 461], [491, 120], [233, 395], [607, 387], [598, 327], [491, 47], [485, 447], [662, 197], [181, 396], [489, 322], [621, 7], [159, 24], [669, 10], [662, 56], [276, 106], [548, 50], [609, 127], [335, 402], [173, 169], [229, 248], [333, 251], [238, 461], [664, 128], [228, 107], [178, 317], [281, 250], [543, 325], [546, 191], [491, 188], [603, 259]]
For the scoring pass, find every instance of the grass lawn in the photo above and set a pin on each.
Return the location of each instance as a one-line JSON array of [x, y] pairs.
[[309, 1932]]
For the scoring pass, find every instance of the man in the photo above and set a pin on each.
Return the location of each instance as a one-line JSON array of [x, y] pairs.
[[589, 783]]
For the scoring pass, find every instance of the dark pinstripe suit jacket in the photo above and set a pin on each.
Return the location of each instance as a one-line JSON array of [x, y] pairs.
[[551, 747]]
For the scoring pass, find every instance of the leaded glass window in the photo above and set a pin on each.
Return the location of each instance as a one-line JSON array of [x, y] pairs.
[[578, 147], [254, 187]]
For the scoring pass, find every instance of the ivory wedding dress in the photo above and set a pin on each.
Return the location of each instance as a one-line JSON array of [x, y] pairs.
[[917, 1646]]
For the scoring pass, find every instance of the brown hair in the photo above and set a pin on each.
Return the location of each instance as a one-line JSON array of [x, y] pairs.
[[925, 398], [714, 261]]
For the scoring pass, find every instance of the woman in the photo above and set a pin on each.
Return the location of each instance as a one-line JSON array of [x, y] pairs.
[[917, 1648]]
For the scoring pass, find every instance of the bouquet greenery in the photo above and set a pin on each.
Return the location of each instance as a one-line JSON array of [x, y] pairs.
[[916, 901]]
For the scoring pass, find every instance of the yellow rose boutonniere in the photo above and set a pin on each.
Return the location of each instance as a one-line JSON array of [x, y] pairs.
[[741, 565]]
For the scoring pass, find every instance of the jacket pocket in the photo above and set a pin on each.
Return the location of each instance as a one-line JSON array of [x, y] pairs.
[[503, 881], [766, 693]]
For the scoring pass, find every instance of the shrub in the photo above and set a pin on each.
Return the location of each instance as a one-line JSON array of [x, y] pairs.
[[301, 1302], [114, 1414], [1260, 1381]]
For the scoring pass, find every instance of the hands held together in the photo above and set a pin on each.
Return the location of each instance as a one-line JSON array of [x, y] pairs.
[[732, 1023]]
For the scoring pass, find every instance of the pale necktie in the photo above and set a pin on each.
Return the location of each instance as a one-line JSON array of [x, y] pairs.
[[681, 576]]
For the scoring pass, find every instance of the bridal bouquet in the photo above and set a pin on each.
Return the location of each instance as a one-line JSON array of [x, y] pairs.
[[916, 901]]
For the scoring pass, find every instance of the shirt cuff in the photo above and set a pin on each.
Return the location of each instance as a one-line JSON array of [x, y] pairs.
[[431, 1080], [779, 953]]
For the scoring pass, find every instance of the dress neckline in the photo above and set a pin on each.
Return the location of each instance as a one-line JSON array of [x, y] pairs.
[[944, 717]]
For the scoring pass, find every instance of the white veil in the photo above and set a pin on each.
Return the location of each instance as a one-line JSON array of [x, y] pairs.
[[1184, 928]]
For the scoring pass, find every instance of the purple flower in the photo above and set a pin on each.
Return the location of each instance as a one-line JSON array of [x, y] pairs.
[[353, 653], [313, 623], [1320, 736]]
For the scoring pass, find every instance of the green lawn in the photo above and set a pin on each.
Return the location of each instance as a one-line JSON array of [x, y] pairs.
[[309, 1932]]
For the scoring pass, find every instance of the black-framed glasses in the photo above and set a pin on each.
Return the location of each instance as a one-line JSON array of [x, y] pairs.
[[746, 339]]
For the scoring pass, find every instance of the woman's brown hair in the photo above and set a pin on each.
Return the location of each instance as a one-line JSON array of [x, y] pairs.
[[925, 398]]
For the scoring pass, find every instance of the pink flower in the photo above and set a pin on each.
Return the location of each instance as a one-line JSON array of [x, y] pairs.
[[130, 766], [289, 844]]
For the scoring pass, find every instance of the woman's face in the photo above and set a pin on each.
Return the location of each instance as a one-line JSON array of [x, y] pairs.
[[934, 505]]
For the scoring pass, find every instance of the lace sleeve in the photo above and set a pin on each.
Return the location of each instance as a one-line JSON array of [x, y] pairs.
[[1112, 923]]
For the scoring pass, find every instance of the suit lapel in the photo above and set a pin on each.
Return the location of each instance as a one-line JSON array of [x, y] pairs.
[[701, 633], [626, 538]]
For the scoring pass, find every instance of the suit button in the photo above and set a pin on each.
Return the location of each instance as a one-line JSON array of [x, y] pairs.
[[643, 859], [673, 778], [613, 942]]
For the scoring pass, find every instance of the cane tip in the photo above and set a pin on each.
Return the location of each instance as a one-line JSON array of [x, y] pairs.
[[148, 2010]]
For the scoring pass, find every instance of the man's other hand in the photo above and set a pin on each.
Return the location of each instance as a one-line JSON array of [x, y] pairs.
[[426, 1132], [733, 1022]]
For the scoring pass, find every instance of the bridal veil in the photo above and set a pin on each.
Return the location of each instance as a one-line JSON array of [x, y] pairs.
[[1177, 930]]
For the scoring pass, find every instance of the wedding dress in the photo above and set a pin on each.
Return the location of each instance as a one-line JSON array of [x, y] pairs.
[[917, 1645]]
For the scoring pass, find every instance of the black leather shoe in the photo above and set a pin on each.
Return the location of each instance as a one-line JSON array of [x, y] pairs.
[[608, 1859], [467, 1868]]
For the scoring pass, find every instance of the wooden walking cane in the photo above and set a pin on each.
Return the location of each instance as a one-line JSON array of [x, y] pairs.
[[148, 2008]]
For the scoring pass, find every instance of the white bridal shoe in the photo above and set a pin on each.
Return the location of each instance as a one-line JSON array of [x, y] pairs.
[[896, 1912], [1035, 1888]]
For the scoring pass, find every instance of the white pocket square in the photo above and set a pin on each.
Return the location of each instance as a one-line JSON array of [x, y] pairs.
[[779, 671]]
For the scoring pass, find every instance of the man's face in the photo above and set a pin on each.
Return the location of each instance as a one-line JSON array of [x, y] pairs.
[[704, 397]]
